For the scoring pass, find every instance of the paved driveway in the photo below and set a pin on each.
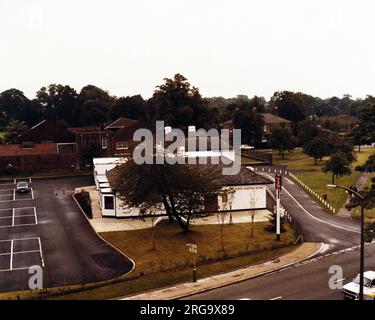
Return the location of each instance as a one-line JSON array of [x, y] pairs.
[[46, 228]]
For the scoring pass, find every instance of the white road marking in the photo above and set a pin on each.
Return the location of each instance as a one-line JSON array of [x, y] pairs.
[[339, 280], [32, 193], [244, 299], [41, 253], [13, 217], [276, 298], [14, 194], [36, 219], [11, 255], [318, 219]]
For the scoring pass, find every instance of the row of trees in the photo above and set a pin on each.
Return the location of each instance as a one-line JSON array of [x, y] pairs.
[[175, 101]]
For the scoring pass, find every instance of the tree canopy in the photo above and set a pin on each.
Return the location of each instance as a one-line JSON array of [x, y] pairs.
[[181, 189]]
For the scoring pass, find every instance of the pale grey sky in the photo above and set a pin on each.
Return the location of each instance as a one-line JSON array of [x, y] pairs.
[[321, 47]]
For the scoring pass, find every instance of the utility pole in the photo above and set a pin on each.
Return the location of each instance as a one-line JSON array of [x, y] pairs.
[[278, 185]]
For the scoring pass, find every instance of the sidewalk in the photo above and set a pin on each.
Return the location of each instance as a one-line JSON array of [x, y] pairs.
[[303, 252]]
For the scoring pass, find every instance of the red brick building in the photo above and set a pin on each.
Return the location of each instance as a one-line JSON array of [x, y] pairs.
[[48, 146]]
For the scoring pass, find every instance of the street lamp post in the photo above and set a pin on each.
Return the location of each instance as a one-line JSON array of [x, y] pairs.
[[362, 244]]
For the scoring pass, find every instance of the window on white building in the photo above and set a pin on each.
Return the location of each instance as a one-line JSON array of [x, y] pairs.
[[104, 143], [121, 145], [109, 202]]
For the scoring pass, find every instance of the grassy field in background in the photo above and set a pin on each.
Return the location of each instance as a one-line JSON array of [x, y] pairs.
[[317, 180], [155, 267]]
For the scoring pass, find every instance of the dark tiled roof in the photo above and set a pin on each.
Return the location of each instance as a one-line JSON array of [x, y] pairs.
[[9, 150], [244, 177], [85, 129], [270, 118], [121, 123], [46, 131]]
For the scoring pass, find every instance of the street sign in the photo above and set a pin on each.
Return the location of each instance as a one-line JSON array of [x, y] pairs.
[[193, 248], [278, 182]]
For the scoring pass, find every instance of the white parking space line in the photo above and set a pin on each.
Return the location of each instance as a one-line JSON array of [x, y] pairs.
[[29, 180], [32, 193], [14, 194], [11, 254], [41, 253], [36, 219], [15, 216], [15, 181], [276, 298]]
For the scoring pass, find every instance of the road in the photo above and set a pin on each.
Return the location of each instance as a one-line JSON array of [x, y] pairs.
[[304, 281], [48, 229], [308, 280], [314, 222]]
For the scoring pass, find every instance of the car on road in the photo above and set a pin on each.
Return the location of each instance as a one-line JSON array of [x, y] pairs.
[[22, 186], [351, 289]]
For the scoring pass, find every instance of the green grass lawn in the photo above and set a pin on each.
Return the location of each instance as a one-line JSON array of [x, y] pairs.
[[154, 268], [312, 174]]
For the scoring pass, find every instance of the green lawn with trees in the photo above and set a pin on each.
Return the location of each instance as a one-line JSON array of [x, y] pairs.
[[313, 176]]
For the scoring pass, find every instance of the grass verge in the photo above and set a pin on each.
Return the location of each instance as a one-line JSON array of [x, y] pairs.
[[312, 174]]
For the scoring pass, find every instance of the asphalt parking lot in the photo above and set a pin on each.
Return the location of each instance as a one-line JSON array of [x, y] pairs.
[[45, 228]]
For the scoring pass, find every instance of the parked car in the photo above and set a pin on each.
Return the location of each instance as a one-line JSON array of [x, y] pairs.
[[22, 186], [351, 289]]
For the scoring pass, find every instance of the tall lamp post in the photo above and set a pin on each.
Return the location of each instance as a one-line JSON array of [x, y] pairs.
[[362, 245]]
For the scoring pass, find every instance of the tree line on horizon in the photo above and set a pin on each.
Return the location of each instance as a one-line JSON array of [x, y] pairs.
[[180, 104]]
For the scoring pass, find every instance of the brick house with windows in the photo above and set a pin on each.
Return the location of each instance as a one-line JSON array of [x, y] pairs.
[[111, 140], [45, 146]]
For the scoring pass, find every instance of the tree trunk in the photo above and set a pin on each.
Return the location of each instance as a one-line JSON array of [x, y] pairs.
[[186, 228], [316, 161], [222, 232], [333, 178], [252, 226], [153, 246]]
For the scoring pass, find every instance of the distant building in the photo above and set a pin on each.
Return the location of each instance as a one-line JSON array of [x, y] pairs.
[[272, 122]]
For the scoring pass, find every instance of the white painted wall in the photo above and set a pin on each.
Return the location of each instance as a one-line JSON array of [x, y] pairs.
[[246, 197]]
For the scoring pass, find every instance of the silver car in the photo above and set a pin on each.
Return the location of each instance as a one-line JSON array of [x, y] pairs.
[[22, 186]]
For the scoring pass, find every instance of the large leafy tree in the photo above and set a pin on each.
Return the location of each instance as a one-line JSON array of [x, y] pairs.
[[134, 107], [338, 165], [289, 105], [250, 123], [317, 148], [13, 129], [182, 189], [179, 104], [282, 139], [307, 130], [93, 113], [59, 103], [14, 105]]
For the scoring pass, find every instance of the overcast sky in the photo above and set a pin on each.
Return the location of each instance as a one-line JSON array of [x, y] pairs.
[[225, 48]]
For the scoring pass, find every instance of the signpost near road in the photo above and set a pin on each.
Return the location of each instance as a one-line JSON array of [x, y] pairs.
[[193, 248], [278, 186]]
